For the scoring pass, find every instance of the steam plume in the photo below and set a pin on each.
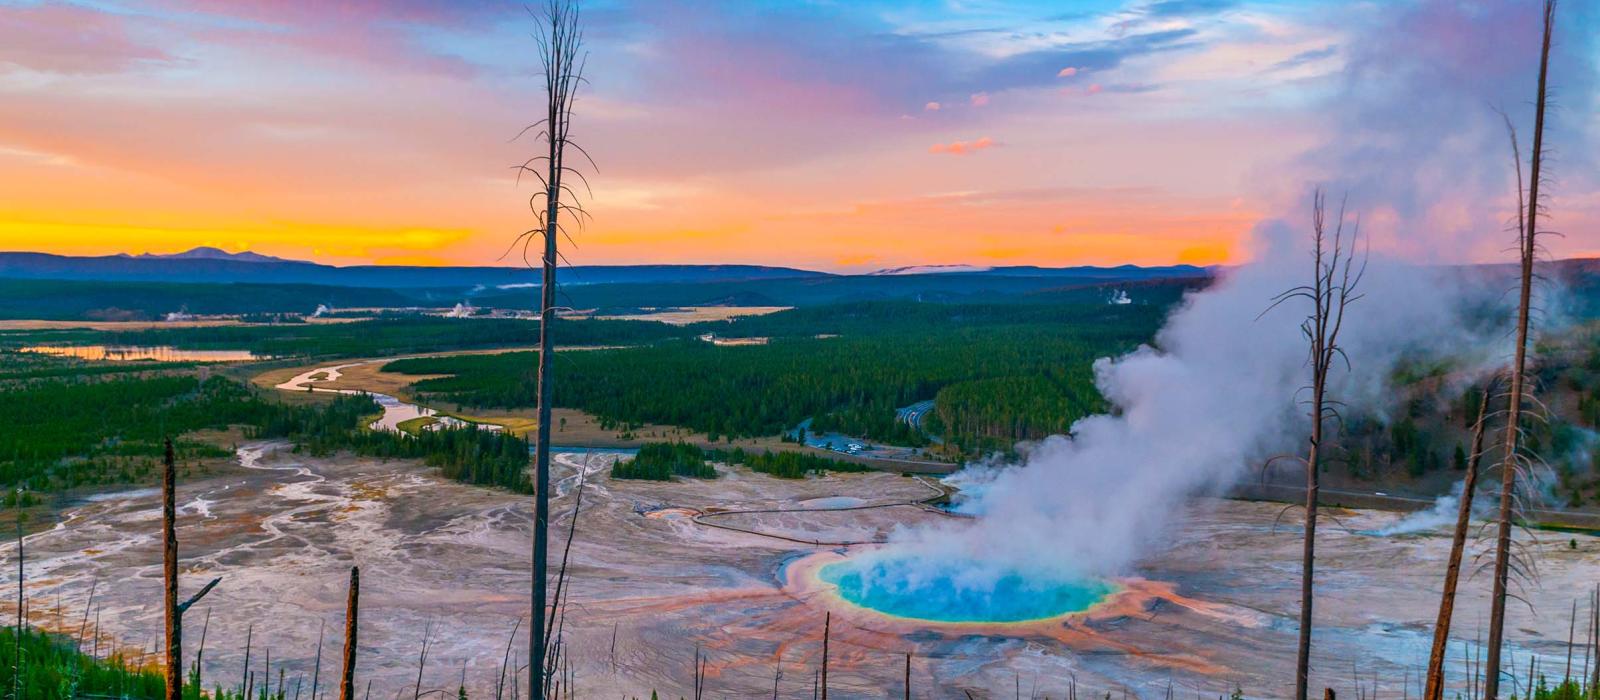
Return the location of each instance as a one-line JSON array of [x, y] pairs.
[[1214, 397], [1413, 143]]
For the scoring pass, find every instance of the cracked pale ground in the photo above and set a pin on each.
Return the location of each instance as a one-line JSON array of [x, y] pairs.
[[1213, 608]]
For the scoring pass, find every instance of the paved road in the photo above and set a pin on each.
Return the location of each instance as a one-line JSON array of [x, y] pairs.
[[1379, 500], [913, 416]]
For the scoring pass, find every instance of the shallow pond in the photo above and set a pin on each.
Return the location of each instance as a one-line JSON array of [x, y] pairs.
[[157, 353]]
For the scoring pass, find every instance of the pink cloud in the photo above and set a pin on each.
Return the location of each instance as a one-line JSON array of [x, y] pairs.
[[1093, 89], [932, 106], [961, 148], [980, 99], [274, 12], [1067, 72], [62, 39]]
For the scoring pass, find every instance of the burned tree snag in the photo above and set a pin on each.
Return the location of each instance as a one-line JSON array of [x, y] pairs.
[[347, 673]]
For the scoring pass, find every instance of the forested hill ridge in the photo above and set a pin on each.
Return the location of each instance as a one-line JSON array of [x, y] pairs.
[[201, 265], [211, 282], [211, 265]]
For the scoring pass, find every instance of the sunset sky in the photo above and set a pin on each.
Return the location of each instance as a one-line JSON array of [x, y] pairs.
[[829, 134]]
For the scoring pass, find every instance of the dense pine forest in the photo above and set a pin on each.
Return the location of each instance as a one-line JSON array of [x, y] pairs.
[[387, 336], [784, 465], [74, 431], [1426, 435], [470, 455], [77, 425], [993, 371], [661, 461]]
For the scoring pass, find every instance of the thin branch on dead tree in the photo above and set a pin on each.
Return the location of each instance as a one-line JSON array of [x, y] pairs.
[[562, 591]]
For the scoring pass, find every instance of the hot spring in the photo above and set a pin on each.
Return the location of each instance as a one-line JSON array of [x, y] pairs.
[[957, 591]]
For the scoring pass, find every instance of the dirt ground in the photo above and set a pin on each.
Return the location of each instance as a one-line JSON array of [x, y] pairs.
[[1213, 607], [685, 315]]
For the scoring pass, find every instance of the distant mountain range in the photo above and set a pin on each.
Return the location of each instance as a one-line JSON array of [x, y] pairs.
[[930, 270], [1085, 272], [211, 265], [207, 253], [211, 281]]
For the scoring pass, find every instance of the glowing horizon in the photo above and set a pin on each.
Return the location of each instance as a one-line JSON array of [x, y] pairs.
[[844, 138]]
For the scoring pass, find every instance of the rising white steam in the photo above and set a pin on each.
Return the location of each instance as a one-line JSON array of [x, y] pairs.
[[1207, 404], [1216, 394], [1442, 514]]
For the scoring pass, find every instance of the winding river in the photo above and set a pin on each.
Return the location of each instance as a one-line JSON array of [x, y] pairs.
[[395, 411]]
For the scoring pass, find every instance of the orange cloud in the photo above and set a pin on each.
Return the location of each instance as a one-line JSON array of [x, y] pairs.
[[961, 148], [932, 106], [1067, 72]]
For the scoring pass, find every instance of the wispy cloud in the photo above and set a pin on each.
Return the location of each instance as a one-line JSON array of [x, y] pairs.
[[1187, 8], [961, 148], [70, 40], [1306, 57]]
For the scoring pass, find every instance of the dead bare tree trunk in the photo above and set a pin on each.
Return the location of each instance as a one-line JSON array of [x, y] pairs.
[[559, 47], [1572, 630], [827, 626], [316, 666], [1308, 555], [244, 677], [1434, 689], [1509, 468], [1332, 289], [169, 566], [422, 660], [22, 622], [1594, 641], [347, 674]]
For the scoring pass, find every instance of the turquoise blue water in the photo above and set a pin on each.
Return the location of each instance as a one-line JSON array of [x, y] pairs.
[[957, 592]]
